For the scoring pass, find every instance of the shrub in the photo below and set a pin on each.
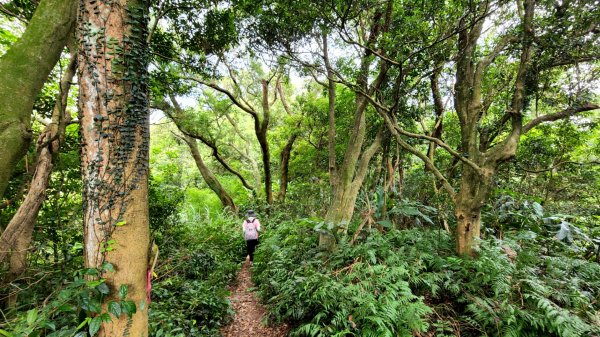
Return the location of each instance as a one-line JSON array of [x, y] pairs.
[[189, 297], [409, 282]]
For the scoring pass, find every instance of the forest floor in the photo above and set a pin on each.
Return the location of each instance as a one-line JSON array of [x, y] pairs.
[[249, 313]]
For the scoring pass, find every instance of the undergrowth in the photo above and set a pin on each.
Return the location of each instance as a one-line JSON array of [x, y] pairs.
[[410, 283], [189, 297]]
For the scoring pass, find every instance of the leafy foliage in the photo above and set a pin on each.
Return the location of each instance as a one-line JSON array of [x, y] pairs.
[[75, 310], [407, 281], [198, 260]]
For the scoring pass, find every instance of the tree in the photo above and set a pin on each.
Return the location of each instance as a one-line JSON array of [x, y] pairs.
[[210, 179], [485, 140], [115, 137], [240, 95], [286, 152], [23, 71], [431, 37]]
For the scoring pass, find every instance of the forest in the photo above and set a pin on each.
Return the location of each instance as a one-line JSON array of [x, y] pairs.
[[418, 168]]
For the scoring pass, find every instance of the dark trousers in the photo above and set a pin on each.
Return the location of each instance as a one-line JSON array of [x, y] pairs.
[[251, 247]]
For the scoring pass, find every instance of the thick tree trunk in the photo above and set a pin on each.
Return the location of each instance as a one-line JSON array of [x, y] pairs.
[[473, 194], [23, 71], [16, 238], [340, 211], [468, 228], [114, 130], [284, 166], [209, 177]]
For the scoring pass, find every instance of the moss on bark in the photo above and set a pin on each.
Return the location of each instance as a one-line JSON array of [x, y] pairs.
[[23, 71]]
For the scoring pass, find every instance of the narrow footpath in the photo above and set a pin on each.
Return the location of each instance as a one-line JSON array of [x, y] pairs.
[[249, 313]]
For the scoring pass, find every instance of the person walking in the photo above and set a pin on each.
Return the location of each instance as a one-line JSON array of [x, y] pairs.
[[251, 227]]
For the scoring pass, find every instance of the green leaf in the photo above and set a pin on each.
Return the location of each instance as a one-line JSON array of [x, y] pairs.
[[108, 267], [95, 325], [105, 317], [82, 324], [50, 325], [91, 271], [94, 284], [31, 316], [385, 223], [128, 307], [114, 308], [66, 308], [103, 288], [123, 291], [5, 333], [121, 223]]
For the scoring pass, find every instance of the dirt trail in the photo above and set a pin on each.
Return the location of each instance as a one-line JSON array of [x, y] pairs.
[[249, 312]]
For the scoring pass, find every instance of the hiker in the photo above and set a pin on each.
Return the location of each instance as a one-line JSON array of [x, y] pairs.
[[251, 227]]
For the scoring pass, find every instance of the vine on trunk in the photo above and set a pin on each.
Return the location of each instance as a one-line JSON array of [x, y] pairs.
[[115, 68]]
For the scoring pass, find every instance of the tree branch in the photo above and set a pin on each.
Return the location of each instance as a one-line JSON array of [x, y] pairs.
[[210, 144], [228, 93], [559, 115]]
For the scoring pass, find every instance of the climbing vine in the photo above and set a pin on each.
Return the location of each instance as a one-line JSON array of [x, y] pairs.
[[113, 105]]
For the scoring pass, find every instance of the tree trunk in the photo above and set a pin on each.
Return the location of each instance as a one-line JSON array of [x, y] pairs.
[[343, 201], [468, 229], [16, 238], [23, 72], [114, 128], [261, 134], [266, 161], [209, 177], [474, 191], [284, 167], [330, 114]]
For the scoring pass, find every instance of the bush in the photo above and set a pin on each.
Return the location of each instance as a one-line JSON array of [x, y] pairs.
[[189, 297], [409, 282], [359, 290]]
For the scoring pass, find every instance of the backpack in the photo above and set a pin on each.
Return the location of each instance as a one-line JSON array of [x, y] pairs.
[[250, 232]]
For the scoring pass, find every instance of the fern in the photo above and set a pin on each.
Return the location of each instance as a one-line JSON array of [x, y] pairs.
[[408, 282]]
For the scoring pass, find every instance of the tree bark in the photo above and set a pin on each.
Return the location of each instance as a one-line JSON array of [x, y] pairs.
[[343, 202], [284, 165], [472, 196], [114, 126], [209, 177], [23, 72], [261, 128]]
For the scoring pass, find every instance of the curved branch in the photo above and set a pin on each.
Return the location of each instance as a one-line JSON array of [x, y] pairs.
[[284, 101], [228, 93], [559, 115], [428, 162], [443, 145], [207, 142]]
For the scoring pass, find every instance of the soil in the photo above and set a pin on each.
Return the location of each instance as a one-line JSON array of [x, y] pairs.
[[249, 313]]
